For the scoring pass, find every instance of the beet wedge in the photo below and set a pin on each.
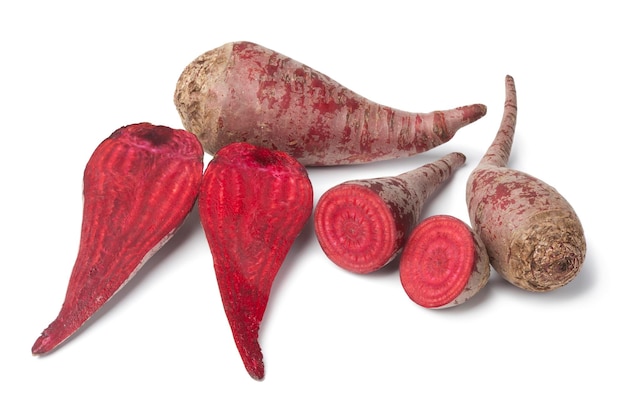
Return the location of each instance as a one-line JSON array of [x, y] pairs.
[[139, 186], [253, 204]]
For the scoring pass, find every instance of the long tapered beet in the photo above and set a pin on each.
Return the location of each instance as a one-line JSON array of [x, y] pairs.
[[362, 225], [139, 185], [533, 236], [253, 204], [245, 92], [444, 263]]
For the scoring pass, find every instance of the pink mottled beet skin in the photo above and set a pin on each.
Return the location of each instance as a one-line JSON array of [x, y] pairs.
[[139, 186], [242, 91], [362, 225], [534, 238], [253, 204]]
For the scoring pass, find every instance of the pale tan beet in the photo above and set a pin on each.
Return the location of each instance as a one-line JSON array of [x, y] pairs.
[[533, 236], [444, 263], [362, 225], [244, 92]]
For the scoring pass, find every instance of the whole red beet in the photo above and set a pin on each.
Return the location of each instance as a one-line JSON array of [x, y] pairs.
[[244, 92], [533, 236]]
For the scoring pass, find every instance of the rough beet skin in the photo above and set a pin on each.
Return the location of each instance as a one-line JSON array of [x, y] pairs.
[[244, 92], [534, 238]]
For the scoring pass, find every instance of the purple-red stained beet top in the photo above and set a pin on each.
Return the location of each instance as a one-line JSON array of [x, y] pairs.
[[138, 186], [253, 204]]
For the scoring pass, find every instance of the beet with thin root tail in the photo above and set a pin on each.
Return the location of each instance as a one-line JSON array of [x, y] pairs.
[[362, 225], [253, 204], [533, 236], [139, 186], [444, 263], [244, 92]]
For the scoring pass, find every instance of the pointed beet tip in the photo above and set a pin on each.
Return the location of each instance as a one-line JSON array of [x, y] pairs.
[[473, 112], [42, 345], [257, 374], [462, 116], [53, 336], [255, 367], [249, 349]]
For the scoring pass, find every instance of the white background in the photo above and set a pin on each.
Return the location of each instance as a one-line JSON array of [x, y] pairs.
[[334, 343]]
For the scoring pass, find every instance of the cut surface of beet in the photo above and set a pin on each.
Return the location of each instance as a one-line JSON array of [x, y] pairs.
[[438, 261], [357, 229]]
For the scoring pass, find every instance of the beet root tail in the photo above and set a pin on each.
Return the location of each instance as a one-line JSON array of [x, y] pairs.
[[48, 340], [246, 335], [499, 151], [462, 116]]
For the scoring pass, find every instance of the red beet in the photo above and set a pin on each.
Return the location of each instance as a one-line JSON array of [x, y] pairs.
[[444, 263], [534, 238], [139, 186], [362, 225], [244, 92], [253, 204]]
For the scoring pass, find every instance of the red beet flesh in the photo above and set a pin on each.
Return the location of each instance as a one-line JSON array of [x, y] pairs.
[[253, 204], [441, 257], [359, 230], [139, 186]]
